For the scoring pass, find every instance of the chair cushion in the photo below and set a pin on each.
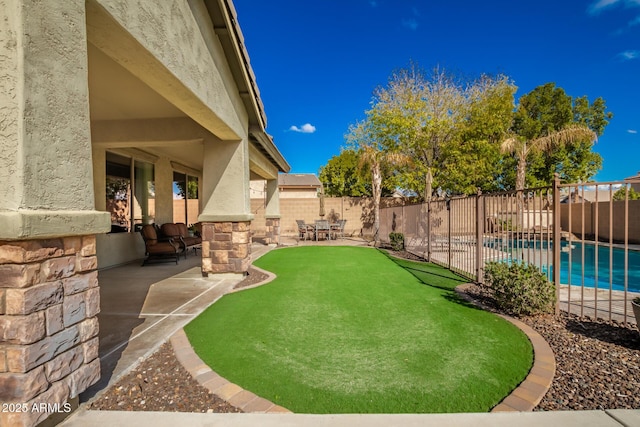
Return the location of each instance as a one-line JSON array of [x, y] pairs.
[[190, 241], [149, 234], [162, 248], [182, 228], [170, 230]]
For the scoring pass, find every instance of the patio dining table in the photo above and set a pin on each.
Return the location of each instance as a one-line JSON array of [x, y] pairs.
[[320, 226], [334, 229]]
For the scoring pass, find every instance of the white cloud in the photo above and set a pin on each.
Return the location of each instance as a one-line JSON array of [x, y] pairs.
[[629, 55], [411, 24], [597, 7], [600, 5], [305, 128], [632, 131]]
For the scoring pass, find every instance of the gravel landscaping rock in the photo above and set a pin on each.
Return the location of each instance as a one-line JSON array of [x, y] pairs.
[[160, 383], [597, 361], [253, 277]]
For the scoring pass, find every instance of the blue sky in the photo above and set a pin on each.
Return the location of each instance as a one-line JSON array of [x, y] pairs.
[[317, 62]]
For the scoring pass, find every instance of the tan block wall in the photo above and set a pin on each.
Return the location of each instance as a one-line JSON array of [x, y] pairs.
[[603, 215], [358, 211], [49, 302]]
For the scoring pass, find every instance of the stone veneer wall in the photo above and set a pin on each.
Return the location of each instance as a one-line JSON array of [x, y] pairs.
[[272, 230], [226, 247], [49, 301]]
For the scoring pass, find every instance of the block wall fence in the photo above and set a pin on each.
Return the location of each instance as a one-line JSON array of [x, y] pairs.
[[358, 211]]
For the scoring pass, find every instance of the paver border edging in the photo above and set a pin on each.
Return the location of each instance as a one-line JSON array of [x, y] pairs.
[[220, 386], [530, 392]]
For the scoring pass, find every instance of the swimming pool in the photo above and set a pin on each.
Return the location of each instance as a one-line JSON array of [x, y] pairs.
[[614, 257], [572, 260]]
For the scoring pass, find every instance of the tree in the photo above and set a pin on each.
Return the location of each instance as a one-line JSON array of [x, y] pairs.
[[342, 176], [522, 147], [375, 153], [450, 128], [623, 194], [548, 109], [473, 159], [417, 114]]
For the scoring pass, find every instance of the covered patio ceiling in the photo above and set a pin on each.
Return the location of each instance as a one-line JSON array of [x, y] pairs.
[[115, 94]]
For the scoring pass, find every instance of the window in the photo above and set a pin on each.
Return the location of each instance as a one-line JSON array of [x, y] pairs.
[[128, 209], [144, 206], [186, 207], [193, 202]]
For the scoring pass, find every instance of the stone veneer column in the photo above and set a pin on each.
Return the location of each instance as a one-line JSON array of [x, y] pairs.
[[273, 230], [226, 247], [272, 211], [49, 301]]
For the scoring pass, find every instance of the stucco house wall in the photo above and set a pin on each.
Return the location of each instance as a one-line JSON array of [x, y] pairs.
[[168, 83]]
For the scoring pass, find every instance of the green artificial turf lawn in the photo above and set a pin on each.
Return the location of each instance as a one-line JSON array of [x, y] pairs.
[[348, 330]]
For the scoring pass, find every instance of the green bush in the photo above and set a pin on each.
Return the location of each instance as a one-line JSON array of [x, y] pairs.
[[397, 241], [519, 288]]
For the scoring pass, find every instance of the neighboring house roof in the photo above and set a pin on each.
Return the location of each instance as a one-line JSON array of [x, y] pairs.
[[298, 180], [633, 178]]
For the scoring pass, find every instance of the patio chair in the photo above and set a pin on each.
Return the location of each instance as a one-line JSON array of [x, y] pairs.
[[303, 229], [156, 249], [338, 229], [190, 242], [322, 227], [172, 231]]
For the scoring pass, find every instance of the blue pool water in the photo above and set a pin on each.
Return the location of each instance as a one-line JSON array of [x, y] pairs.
[[606, 266], [607, 257]]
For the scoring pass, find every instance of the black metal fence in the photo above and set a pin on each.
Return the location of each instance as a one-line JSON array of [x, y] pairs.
[[598, 250]]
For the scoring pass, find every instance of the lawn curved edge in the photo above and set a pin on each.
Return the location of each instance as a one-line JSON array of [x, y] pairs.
[[530, 392], [216, 384], [270, 278]]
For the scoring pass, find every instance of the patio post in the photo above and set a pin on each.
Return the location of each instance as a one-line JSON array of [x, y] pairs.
[[226, 216], [272, 212], [49, 294]]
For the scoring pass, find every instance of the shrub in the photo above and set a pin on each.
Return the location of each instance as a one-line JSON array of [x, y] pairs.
[[397, 241], [519, 288]]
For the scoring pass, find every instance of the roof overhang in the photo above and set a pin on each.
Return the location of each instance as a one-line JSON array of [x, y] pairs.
[[225, 24]]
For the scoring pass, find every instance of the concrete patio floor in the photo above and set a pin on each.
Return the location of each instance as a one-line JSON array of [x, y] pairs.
[[141, 307]]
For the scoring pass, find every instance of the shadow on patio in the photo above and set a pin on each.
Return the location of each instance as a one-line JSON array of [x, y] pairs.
[[141, 307]]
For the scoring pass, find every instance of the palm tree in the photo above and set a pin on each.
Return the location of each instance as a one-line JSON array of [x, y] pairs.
[[375, 155], [522, 147], [376, 159]]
